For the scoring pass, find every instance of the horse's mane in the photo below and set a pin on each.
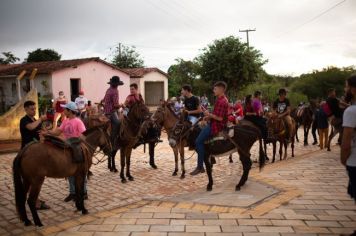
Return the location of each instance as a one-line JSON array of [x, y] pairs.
[[169, 107], [90, 130]]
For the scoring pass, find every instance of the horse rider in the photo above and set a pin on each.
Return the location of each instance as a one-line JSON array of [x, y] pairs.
[[72, 127], [191, 104], [132, 98], [217, 122], [61, 100], [254, 113], [30, 131], [82, 104], [282, 107], [111, 104]]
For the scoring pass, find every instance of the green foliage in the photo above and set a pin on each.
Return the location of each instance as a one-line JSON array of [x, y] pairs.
[[127, 57], [44, 102], [8, 58], [316, 84], [231, 61], [43, 55]]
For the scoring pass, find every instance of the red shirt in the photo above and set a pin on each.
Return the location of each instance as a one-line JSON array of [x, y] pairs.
[[111, 98], [239, 110], [221, 108], [131, 99]]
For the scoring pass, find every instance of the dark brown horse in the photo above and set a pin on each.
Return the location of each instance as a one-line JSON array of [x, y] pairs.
[[39, 160], [244, 137], [277, 133], [303, 116], [129, 134], [165, 117]]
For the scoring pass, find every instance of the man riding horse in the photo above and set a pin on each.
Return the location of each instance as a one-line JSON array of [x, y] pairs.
[[282, 107]]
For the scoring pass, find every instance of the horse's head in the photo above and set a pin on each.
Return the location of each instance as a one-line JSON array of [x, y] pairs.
[[138, 112], [158, 115], [99, 136], [177, 133], [275, 125]]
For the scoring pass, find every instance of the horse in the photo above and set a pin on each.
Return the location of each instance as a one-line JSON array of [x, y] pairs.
[[336, 128], [277, 133], [303, 116], [39, 160], [128, 135], [243, 139], [165, 117]]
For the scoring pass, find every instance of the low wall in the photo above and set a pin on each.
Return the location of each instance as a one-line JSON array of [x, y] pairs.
[[10, 121]]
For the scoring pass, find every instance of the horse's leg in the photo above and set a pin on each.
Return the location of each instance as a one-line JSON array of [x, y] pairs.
[[151, 150], [280, 149], [181, 151], [285, 149], [113, 165], [209, 187], [32, 199], [274, 151], [306, 131], [296, 131], [265, 150], [26, 187], [175, 151], [128, 163], [230, 159], [292, 146], [79, 192], [246, 166], [331, 136], [122, 162]]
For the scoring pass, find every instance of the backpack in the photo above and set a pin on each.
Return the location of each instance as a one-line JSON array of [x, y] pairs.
[[326, 108]]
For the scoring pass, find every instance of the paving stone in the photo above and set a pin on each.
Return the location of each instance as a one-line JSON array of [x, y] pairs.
[[186, 222], [167, 228], [112, 234], [234, 228], [169, 215], [201, 216], [95, 228], [287, 222], [275, 229], [254, 222], [204, 228], [220, 222], [132, 228], [152, 222]]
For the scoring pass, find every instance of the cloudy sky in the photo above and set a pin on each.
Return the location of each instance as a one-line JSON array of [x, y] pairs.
[[295, 36]]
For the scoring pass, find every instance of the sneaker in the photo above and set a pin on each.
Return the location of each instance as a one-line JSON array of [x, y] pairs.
[[70, 197], [197, 171]]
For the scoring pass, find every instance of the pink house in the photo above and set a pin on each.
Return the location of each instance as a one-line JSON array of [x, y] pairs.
[[70, 76]]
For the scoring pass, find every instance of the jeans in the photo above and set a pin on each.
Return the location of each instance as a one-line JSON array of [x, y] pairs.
[[199, 144], [115, 124], [71, 181], [193, 119]]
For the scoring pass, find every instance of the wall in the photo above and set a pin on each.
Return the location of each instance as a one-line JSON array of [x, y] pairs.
[[94, 77], [10, 121], [154, 77]]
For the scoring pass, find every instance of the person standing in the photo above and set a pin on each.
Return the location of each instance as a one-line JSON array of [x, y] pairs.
[[348, 146], [61, 100], [218, 120], [322, 124], [72, 127], [30, 131], [282, 107], [111, 104], [191, 104], [82, 104]]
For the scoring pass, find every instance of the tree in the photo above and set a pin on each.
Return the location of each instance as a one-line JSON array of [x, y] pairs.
[[8, 58], [43, 55], [127, 57], [230, 60]]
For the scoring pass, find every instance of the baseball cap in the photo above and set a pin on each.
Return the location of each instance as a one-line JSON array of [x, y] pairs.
[[71, 106]]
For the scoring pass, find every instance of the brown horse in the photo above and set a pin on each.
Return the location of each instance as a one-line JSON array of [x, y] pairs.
[[277, 133], [303, 116], [244, 137], [165, 117], [129, 134], [39, 160]]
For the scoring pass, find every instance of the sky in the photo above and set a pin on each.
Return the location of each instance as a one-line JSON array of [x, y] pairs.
[[294, 36]]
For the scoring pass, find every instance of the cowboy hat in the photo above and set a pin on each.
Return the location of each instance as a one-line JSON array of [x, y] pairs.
[[115, 80]]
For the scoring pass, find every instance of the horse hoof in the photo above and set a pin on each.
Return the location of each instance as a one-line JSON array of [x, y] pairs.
[[153, 166], [123, 181], [237, 188], [131, 178], [39, 224], [174, 173], [305, 144], [329, 150], [115, 170], [209, 188], [182, 176], [27, 222], [84, 212]]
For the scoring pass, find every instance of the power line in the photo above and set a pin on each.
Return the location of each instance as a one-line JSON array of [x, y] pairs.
[[313, 19], [247, 31]]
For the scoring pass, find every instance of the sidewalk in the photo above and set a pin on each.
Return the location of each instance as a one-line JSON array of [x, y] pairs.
[[312, 200]]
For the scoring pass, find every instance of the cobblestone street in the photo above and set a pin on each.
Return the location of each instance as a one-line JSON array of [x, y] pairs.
[[312, 199]]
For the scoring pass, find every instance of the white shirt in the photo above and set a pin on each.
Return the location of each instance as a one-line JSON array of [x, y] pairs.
[[349, 120], [81, 102]]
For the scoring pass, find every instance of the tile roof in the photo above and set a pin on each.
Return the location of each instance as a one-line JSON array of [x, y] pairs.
[[47, 67], [140, 72]]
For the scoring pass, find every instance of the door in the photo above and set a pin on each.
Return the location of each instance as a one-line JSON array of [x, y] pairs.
[[74, 88], [154, 92]]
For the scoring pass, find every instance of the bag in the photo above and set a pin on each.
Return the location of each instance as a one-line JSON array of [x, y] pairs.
[[326, 108]]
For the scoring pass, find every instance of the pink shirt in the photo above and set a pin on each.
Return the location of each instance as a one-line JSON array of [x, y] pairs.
[[72, 128]]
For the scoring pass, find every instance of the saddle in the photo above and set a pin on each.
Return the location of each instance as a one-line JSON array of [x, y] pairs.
[[72, 143]]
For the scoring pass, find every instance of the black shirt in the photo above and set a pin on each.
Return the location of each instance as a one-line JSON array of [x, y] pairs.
[[192, 104], [281, 106], [334, 107], [27, 135]]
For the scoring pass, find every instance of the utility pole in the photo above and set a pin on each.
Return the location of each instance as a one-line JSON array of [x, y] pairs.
[[119, 50], [247, 31]]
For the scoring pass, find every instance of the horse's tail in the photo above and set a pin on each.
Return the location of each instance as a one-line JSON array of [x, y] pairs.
[[20, 196], [262, 156]]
